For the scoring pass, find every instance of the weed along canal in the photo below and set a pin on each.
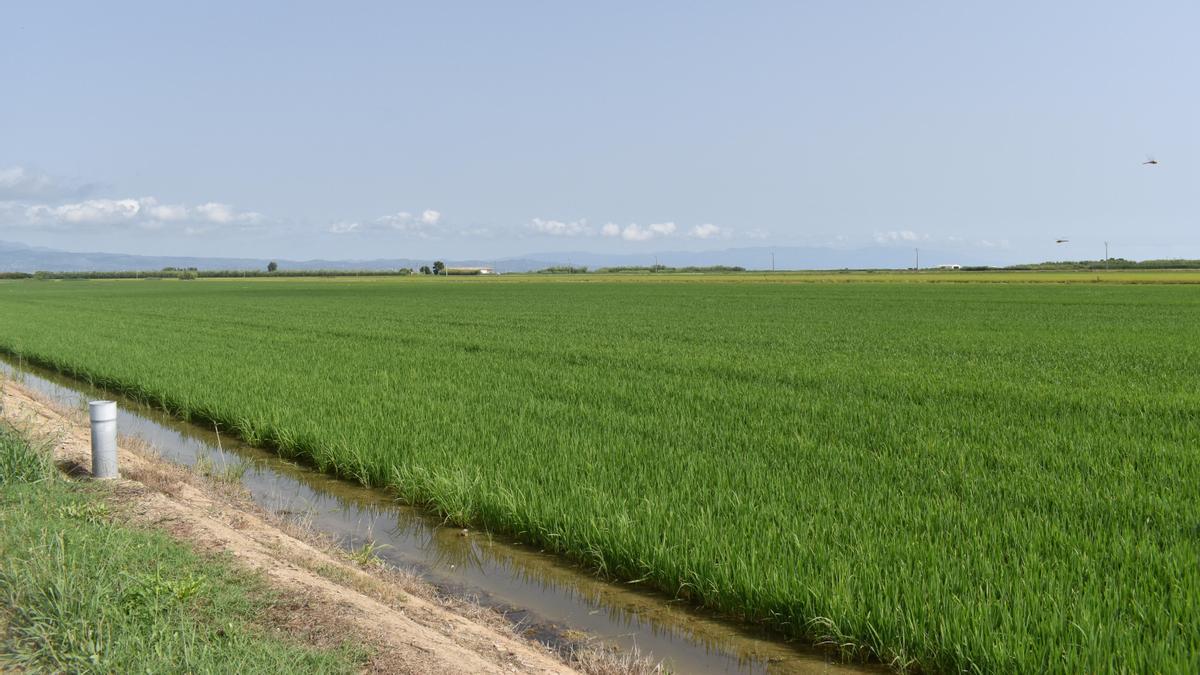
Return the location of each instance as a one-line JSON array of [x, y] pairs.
[[557, 601]]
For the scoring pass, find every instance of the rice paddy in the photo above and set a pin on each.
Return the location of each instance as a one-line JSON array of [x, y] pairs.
[[978, 477]]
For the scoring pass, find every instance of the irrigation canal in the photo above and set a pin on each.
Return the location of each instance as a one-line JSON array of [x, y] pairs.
[[554, 599]]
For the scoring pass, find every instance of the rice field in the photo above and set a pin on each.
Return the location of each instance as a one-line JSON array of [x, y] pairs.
[[950, 477]]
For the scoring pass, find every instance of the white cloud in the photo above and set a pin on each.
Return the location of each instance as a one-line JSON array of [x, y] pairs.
[[344, 226], [706, 231], [558, 228], [898, 236], [635, 232], [167, 212], [403, 221], [224, 214], [429, 225], [20, 183], [90, 212], [630, 232], [397, 221], [35, 200], [143, 213], [423, 225]]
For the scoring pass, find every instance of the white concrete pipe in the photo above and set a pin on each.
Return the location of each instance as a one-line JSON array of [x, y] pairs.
[[104, 438]]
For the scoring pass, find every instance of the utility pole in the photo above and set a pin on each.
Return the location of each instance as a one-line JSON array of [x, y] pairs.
[[918, 252], [1106, 256], [772, 261]]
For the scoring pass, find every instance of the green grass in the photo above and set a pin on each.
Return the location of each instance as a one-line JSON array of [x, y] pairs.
[[980, 477], [20, 461], [81, 594]]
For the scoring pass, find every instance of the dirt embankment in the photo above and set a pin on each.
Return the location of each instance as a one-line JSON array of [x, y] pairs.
[[326, 597]]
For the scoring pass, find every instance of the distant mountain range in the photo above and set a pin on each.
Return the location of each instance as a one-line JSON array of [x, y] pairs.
[[15, 257]]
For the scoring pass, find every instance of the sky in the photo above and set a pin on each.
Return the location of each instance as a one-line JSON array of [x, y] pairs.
[[484, 129]]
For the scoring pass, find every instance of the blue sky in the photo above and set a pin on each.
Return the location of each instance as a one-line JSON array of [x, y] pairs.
[[482, 129]]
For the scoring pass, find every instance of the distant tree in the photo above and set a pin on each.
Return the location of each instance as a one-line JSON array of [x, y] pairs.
[[272, 266], [439, 267], [424, 269]]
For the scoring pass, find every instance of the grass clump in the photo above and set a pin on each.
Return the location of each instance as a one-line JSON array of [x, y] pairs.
[[21, 461], [367, 555], [82, 594]]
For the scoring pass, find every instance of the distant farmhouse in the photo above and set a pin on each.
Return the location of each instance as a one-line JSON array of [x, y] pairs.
[[950, 266], [470, 271]]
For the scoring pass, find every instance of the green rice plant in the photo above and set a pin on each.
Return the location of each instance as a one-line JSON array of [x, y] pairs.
[[939, 476]]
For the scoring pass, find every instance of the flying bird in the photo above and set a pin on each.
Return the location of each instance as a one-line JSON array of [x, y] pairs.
[[1150, 160], [1061, 241]]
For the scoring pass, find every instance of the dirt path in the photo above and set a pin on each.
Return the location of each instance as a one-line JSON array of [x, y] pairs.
[[327, 597]]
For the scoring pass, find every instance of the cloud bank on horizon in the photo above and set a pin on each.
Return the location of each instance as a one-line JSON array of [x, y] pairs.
[[630, 232], [33, 200]]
